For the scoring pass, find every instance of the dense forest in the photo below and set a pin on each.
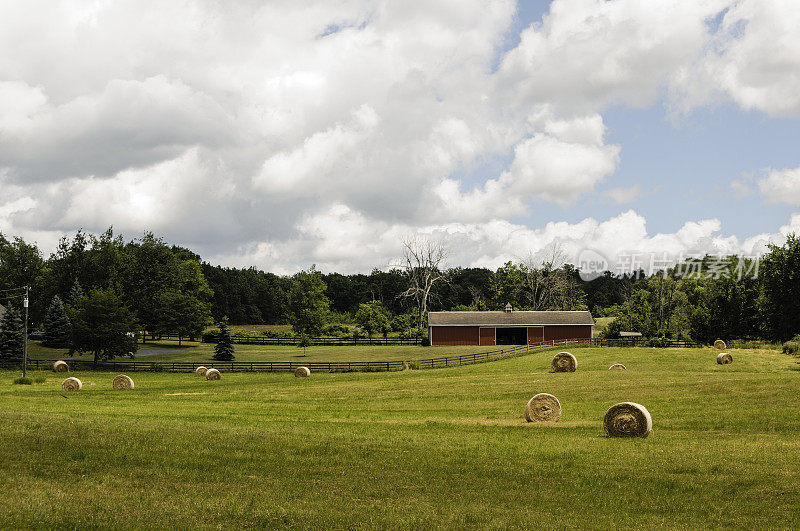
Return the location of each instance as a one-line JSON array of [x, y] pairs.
[[167, 289]]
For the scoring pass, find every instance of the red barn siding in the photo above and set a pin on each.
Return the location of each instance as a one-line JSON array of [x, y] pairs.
[[535, 334], [567, 332], [455, 335], [487, 336]]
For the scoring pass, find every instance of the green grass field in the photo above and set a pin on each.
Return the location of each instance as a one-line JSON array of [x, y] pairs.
[[435, 448], [202, 352]]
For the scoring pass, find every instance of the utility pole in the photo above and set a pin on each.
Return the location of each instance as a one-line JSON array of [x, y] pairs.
[[25, 345]]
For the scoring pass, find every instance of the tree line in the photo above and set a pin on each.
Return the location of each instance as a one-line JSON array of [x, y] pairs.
[[98, 286]]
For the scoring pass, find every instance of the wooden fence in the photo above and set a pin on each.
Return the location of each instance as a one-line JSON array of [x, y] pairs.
[[341, 366]]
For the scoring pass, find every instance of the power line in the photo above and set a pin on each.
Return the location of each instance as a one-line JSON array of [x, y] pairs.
[[12, 289]]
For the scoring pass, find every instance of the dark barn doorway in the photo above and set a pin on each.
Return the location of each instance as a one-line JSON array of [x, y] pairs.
[[512, 336]]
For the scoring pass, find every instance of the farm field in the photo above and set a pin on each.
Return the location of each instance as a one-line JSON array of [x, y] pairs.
[[431, 448], [169, 351], [600, 324]]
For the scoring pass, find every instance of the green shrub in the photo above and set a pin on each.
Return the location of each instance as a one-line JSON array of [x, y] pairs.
[[335, 330], [212, 336], [40, 379], [23, 381], [658, 342], [413, 333]]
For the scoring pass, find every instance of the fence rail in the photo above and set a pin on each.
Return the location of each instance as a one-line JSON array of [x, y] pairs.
[[343, 366]]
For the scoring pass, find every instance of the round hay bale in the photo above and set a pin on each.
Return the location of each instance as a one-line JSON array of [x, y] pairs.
[[720, 344], [71, 384], [723, 358], [213, 374], [122, 382], [302, 372], [543, 408], [564, 362], [60, 366], [627, 419], [618, 367], [200, 371]]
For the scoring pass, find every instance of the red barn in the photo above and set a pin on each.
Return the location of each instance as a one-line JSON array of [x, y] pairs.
[[507, 328]]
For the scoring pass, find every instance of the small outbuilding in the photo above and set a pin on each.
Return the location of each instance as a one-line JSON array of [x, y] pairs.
[[508, 327]]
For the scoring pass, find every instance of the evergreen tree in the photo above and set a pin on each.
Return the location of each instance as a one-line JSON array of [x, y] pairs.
[[57, 327], [223, 350], [75, 294], [12, 335]]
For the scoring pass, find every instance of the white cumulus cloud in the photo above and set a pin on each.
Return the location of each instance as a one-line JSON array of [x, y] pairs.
[[781, 186]]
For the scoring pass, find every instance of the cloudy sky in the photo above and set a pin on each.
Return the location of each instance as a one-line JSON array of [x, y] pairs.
[[280, 134]]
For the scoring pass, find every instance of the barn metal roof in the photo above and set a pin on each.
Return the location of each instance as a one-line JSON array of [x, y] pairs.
[[509, 318]]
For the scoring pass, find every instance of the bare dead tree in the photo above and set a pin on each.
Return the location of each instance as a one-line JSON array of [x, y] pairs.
[[424, 260], [545, 283]]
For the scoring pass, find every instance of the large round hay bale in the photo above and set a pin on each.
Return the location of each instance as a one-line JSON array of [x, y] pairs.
[[60, 366], [564, 362], [720, 344], [627, 419], [200, 371], [302, 372], [543, 408], [723, 358], [618, 367], [122, 382], [71, 384], [213, 374]]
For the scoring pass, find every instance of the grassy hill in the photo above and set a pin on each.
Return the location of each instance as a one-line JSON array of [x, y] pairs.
[[431, 448]]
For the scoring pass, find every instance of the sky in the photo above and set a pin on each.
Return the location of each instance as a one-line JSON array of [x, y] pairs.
[[284, 134]]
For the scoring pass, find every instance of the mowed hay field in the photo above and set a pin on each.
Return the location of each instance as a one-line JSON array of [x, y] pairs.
[[432, 448], [169, 352]]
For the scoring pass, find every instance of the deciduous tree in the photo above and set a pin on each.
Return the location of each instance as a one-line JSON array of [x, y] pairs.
[[423, 262], [372, 317], [308, 304], [103, 326], [182, 315]]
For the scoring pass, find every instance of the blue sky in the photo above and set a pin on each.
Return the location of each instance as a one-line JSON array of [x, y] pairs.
[[684, 162]]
